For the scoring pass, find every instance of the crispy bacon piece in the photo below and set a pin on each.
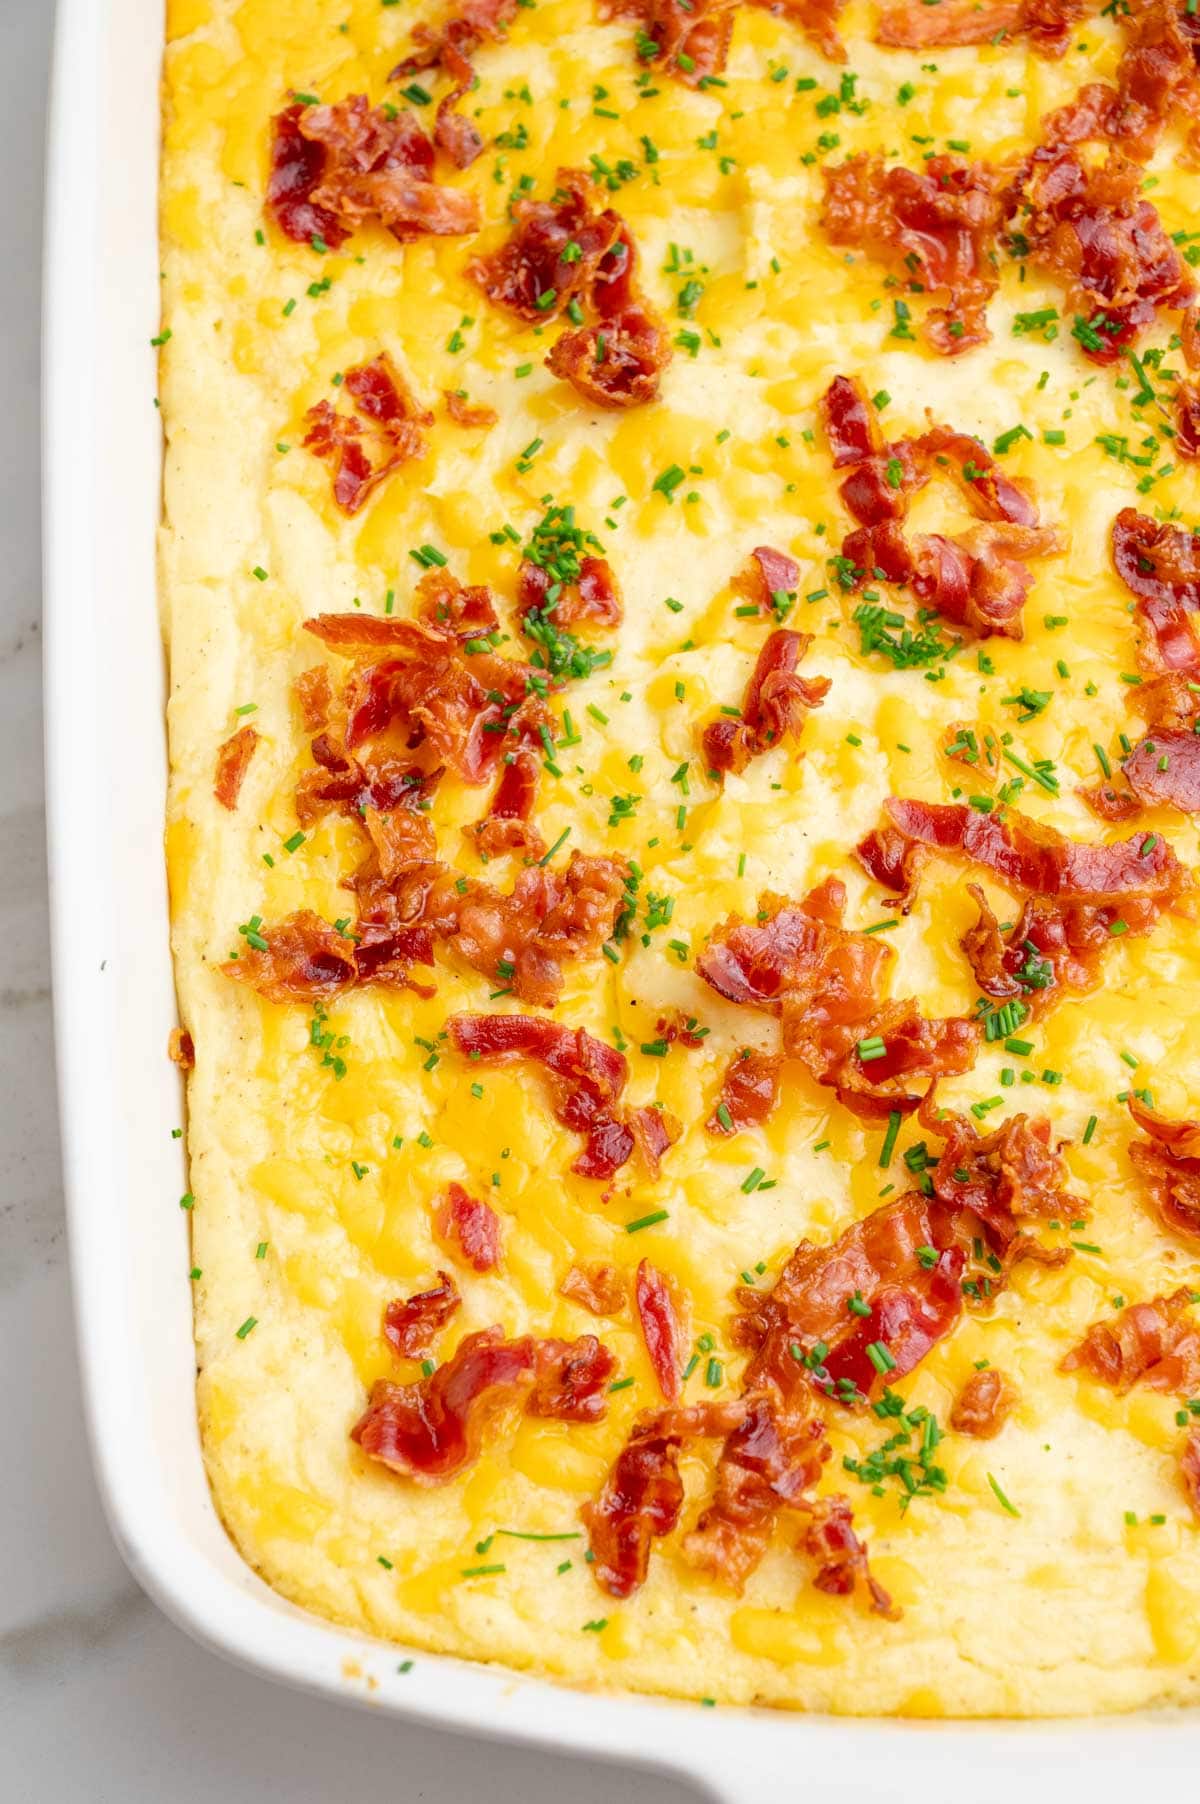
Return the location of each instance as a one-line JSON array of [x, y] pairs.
[[840, 1557], [598, 1288], [548, 921], [1095, 229], [1052, 947], [643, 1494], [435, 702], [617, 361], [979, 578], [1160, 566], [797, 959], [1004, 1177], [1156, 1344], [334, 167], [304, 959], [662, 1329], [1164, 770], [586, 1079], [1187, 394], [796, 951], [1168, 1163], [508, 826], [1045, 23], [364, 449], [775, 704], [1026, 854], [314, 697], [1189, 1467], [904, 1266], [984, 1404], [562, 253], [766, 575], [469, 1229], [749, 1091], [874, 1063], [457, 137], [569, 589], [233, 761], [468, 414], [559, 251], [687, 38], [1109, 802], [475, 22], [570, 1379], [1157, 80], [936, 228], [977, 747], [180, 1048], [431, 1430], [411, 1324]]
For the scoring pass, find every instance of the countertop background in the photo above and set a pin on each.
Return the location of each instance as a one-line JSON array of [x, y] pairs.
[[101, 1698]]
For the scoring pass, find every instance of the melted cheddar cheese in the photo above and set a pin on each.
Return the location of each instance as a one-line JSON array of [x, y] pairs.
[[313, 1192]]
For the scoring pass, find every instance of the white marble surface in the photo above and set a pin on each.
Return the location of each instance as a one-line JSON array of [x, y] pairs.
[[101, 1699]]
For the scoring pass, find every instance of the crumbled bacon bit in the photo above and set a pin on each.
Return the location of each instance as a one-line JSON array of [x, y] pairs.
[[687, 38], [979, 579], [334, 167], [508, 826], [1156, 1344], [1095, 229], [457, 137], [984, 1404], [1164, 770], [749, 1091], [977, 747], [314, 697], [1168, 1163], [233, 761], [469, 1229], [1160, 565], [411, 1324], [775, 704], [1027, 854], [467, 413], [562, 254], [643, 1494], [678, 1028], [598, 1288], [571, 1378], [1189, 1467], [475, 22], [1052, 947], [305, 959], [616, 362], [586, 1079], [559, 251], [799, 960], [594, 596], [840, 1557], [766, 574], [431, 1430], [389, 422], [1046, 23], [1157, 80], [936, 228], [662, 1330], [180, 1048]]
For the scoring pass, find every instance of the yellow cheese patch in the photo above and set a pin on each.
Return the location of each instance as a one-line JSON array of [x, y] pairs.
[[314, 1191]]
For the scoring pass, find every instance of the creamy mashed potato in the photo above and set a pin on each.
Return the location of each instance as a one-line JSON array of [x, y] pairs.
[[313, 1193]]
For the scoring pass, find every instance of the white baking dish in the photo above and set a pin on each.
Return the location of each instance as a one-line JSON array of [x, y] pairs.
[[114, 1003]]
